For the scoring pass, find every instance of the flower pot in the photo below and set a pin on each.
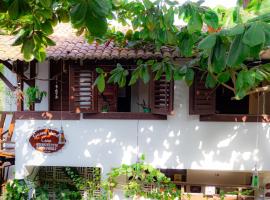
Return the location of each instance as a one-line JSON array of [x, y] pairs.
[[146, 110], [38, 100]]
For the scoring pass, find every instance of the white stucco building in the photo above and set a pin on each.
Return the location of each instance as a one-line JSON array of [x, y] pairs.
[[214, 141]]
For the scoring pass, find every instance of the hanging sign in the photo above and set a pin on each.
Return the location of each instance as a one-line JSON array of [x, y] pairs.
[[47, 140]]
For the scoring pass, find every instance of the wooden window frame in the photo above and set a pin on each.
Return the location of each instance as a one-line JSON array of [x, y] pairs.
[[210, 115], [96, 114]]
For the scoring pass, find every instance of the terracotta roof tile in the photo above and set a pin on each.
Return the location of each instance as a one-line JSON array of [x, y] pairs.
[[70, 46]]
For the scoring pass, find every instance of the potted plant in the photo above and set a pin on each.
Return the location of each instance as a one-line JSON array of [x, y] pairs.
[[105, 108], [146, 108], [34, 95]]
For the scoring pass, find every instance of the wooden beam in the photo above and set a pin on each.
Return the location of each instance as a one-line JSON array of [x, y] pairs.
[[16, 70], [6, 81], [47, 115], [19, 99], [20, 73], [2, 123], [124, 116], [7, 64]]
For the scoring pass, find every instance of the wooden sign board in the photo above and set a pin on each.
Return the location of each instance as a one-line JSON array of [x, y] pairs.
[[47, 140]]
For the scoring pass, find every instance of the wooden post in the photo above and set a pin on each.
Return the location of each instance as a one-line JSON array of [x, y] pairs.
[[19, 70], [32, 81], [2, 123]]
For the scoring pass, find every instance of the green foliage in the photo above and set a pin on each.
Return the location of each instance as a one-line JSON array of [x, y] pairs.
[[118, 76], [100, 80], [34, 95], [139, 175], [68, 192], [75, 177], [16, 190], [41, 193], [90, 14], [208, 42], [225, 38], [32, 21]]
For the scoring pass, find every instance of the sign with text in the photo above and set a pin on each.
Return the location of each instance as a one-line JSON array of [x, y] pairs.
[[47, 140]]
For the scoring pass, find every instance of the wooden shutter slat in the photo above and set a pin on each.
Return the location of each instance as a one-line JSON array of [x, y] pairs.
[[109, 97], [202, 100], [161, 95], [83, 96]]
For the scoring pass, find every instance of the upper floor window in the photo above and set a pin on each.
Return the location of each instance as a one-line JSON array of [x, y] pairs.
[[219, 104], [153, 99]]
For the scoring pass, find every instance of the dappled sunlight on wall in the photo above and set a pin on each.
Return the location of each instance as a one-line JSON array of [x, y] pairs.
[[182, 141]]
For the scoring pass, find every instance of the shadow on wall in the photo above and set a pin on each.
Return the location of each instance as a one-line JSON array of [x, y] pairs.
[[182, 141]]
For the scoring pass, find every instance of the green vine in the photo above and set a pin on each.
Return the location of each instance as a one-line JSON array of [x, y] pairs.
[[139, 176], [16, 190]]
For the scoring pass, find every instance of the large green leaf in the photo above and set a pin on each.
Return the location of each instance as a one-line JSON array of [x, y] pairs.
[[236, 30], [91, 14], [238, 52], [211, 19], [40, 54], [17, 8], [96, 26], [186, 43], [267, 33], [254, 35], [144, 73], [219, 56], [195, 23], [189, 77], [47, 28], [208, 42], [27, 49], [99, 8], [100, 83], [210, 82], [78, 13]]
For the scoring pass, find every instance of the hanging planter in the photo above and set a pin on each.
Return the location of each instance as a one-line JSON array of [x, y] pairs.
[[34, 95], [145, 107]]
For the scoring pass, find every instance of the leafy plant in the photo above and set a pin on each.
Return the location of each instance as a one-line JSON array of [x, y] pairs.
[[224, 44], [41, 193], [145, 107], [118, 76], [140, 175], [16, 190], [34, 95], [68, 192]]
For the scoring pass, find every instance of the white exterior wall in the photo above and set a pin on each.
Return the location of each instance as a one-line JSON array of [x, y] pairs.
[[182, 141], [9, 96], [42, 82]]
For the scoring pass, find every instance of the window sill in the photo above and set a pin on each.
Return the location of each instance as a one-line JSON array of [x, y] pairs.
[[235, 118], [47, 115], [124, 116]]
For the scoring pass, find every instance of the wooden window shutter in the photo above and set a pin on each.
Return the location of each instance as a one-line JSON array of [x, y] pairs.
[[83, 94], [161, 96], [109, 97], [202, 100]]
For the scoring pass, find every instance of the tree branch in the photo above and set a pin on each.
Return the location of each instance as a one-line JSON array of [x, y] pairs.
[[260, 89], [223, 84]]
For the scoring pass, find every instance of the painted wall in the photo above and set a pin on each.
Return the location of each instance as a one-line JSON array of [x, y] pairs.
[[182, 141], [8, 96]]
